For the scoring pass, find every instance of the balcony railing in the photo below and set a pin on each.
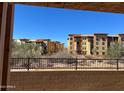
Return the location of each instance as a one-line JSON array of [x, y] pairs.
[[66, 63]]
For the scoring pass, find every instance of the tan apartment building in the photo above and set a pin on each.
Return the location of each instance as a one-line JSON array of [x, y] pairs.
[[54, 46], [74, 43], [96, 44], [100, 44]]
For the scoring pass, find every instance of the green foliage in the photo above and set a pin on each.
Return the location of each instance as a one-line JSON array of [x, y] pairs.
[[27, 50], [115, 50]]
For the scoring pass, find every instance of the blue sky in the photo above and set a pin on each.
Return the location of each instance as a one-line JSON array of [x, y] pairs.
[[54, 23]]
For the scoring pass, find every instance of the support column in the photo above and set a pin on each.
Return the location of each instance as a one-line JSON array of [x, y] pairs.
[[5, 41]]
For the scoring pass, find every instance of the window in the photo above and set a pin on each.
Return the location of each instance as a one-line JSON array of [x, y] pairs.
[[97, 48], [71, 38], [70, 43], [98, 39], [103, 48], [103, 39], [97, 43], [78, 43], [84, 52], [84, 48], [84, 43], [122, 39], [97, 53], [103, 53], [103, 43]]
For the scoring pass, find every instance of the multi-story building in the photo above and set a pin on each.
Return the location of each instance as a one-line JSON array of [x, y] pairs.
[[54, 46], [100, 43], [43, 45], [50, 46], [47, 45], [21, 41], [96, 44]]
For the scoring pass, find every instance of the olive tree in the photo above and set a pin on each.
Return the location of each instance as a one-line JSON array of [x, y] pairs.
[[115, 50], [27, 50]]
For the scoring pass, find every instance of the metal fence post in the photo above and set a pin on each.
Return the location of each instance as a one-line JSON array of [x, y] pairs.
[[28, 67], [76, 63], [117, 65]]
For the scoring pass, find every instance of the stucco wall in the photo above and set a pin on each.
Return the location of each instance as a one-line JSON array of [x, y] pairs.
[[68, 80]]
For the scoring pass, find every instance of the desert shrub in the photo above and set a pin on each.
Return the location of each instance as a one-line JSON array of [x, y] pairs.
[[115, 50], [27, 50]]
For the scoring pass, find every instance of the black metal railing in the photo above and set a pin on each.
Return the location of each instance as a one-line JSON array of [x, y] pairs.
[[66, 63]]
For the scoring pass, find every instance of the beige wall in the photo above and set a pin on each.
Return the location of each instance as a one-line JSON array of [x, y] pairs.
[[73, 44], [68, 80], [87, 46], [100, 46]]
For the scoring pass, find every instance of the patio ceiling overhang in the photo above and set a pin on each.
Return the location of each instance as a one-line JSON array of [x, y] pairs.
[[113, 7]]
